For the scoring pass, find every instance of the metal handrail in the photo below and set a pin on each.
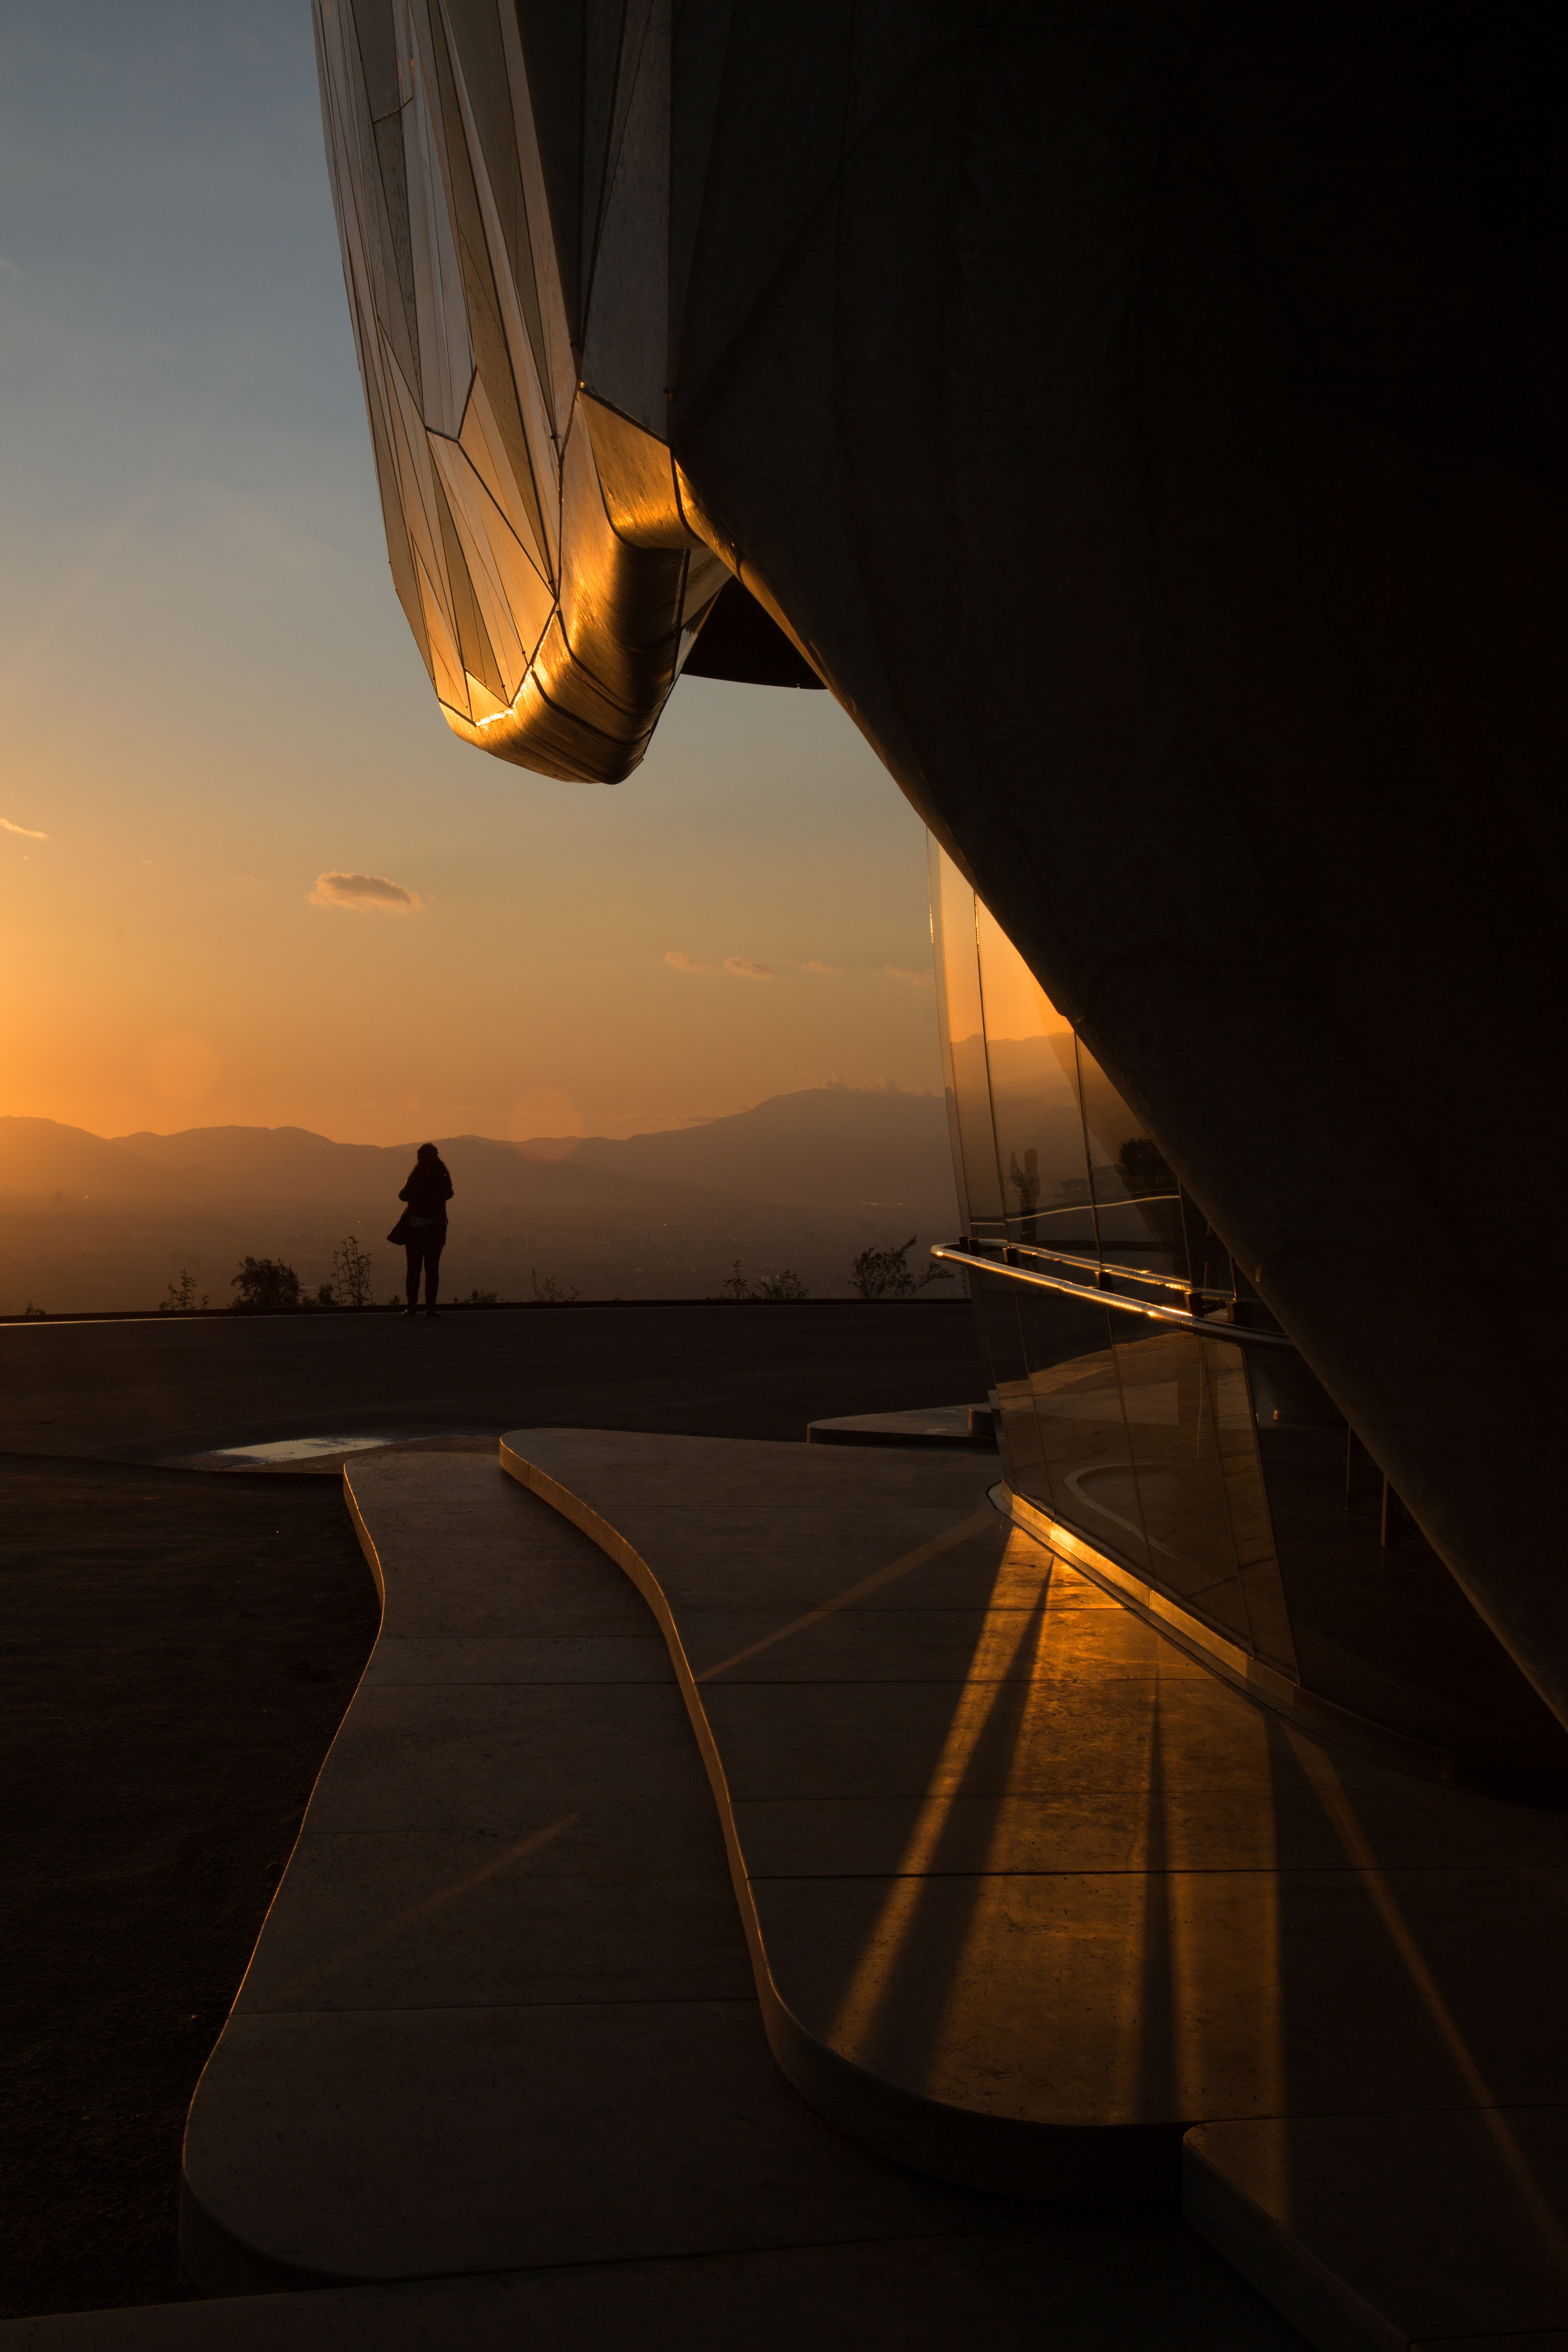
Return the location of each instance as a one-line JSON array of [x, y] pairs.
[[1239, 1333], [1127, 1273]]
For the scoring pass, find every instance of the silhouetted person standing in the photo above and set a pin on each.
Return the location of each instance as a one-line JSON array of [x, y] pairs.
[[423, 1230]]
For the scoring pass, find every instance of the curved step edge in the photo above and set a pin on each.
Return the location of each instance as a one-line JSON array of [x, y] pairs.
[[1099, 2164]]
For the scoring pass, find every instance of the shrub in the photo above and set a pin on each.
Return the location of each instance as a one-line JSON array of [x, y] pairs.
[[780, 1286], [182, 1295], [349, 1285], [547, 1293], [772, 1286], [262, 1283], [885, 1274]]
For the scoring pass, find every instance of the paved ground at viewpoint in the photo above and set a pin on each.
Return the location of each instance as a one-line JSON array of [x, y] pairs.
[[178, 1653], [148, 1391], [179, 1650]]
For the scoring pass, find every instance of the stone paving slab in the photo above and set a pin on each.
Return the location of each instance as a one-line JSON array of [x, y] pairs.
[[1407, 2230], [943, 1425], [1098, 1829], [1019, 1930], [552, 1658], [501, 2013], [1006, 1921], [1140, 2284], [451, 2140], [487, 1921]]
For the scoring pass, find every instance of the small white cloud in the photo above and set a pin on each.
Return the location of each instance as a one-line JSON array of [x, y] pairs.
[[831, 969], [25, 830], [371, 894], [744, 969], [8, 268], [915, 979], [684, 963]]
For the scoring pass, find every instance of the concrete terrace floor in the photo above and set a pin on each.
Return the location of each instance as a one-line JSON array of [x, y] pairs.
[[184, 1650], [179, 1650], [176, 1656], [150, 1391]]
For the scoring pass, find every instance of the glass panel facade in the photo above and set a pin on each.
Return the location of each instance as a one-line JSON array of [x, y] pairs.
[[1138, 1440], [1222, 1475], [1136, 1207], [964, 1047], [1036, 1114]]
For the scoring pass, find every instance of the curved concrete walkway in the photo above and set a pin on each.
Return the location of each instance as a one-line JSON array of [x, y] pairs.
[[500, 2045], [1029, 1895], [500, 2014]]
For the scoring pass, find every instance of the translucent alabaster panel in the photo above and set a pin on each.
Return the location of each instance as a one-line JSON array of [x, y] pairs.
[[445, 353], [513, 600], [484, 444], [552, 619]]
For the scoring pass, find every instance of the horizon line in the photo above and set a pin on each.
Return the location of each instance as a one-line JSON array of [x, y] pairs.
[[682, 1125]]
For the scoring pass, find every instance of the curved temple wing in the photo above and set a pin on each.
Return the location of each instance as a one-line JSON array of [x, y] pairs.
[[538, 540]]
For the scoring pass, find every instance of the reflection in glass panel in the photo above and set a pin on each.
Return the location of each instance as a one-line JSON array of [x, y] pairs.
[[1137, 1199], [1206, 1515], [943, 949], [1031, 1055], [1084, 1473], [997, 1312], [1140, 1440], [964, 1037]]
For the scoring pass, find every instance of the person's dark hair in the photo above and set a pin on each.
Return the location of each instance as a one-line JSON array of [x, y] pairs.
[[429, 1162]]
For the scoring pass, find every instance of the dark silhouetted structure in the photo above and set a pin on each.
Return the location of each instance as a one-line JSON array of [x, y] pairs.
[[1147, 426]]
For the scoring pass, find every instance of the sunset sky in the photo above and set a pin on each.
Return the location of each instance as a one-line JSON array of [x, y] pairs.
[[209, 698]]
